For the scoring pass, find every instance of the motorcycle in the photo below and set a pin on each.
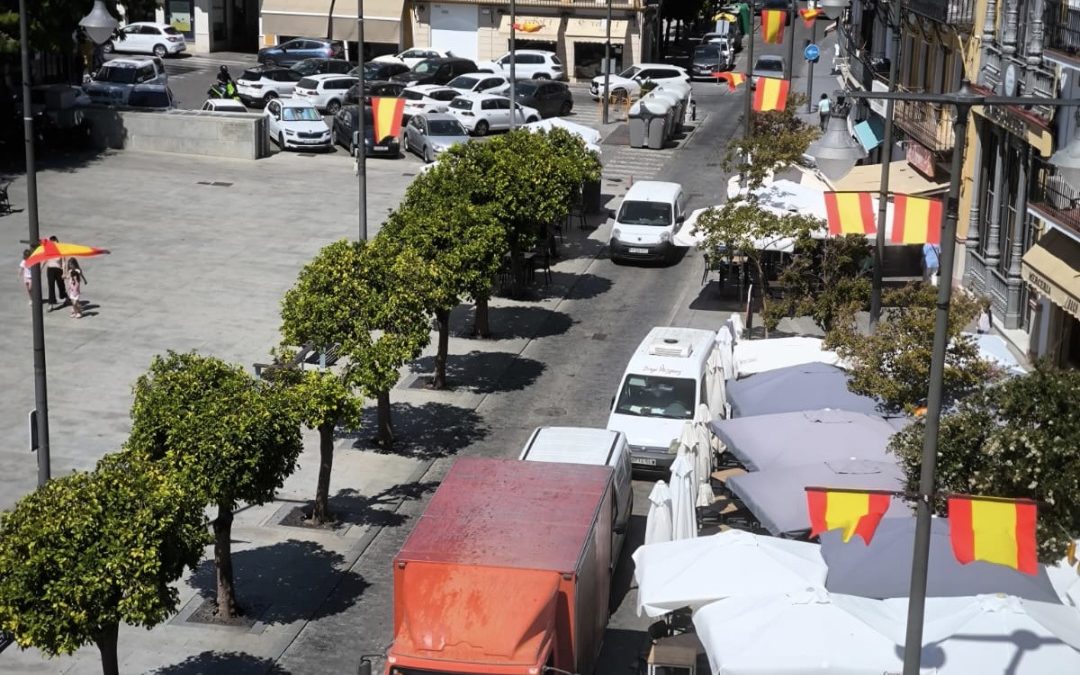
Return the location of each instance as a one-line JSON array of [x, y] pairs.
[[223, 90]]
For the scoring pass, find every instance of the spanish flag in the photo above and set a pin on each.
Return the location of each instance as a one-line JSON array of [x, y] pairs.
[[809, 16], [995, 530], [770, 93], [528, 26], [386, 116], [733, 79], [850, 213], [916, 220], [853, 511], [772, 25]]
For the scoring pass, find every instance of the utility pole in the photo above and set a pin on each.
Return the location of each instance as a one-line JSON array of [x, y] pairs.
[[607, 62], [791, 40], [748, 130], [810, 70], [513, 64], [886, 160], [360, 145]]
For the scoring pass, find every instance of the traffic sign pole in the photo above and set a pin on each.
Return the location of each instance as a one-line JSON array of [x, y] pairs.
[[812, 55]]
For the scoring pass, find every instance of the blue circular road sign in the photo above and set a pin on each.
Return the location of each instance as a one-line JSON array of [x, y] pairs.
[[811, 53]]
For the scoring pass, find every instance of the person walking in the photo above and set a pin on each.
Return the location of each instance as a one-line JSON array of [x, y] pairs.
[[74, 277], [54, 276], [931, 256], [26, 274], [823, 107]]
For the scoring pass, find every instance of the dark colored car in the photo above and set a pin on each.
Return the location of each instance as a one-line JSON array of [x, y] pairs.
[[298, 49], [319, 66], [345, 123], [151, 97], [374, 88], [550, 97], [380, 70], [436, 71], [710, 59]]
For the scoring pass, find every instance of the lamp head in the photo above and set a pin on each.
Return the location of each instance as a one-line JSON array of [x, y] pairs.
[[836, 151], [99, 24]]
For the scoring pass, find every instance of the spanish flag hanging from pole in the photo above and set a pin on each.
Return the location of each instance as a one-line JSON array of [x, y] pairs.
[[809, 16], [916, 220], [772, 25], [853, 511], [733, 79], [995, 530], [770, 93], [386, 117], [850, 213]]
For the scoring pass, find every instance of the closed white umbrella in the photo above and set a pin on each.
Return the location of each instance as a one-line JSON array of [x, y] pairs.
[[725, 341], [703, 443], [658, 522], [683, 497], [688, 447], [715, 375], [736, 324]]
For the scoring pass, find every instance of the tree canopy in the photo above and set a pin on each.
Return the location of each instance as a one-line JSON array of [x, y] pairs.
[[779, 139]]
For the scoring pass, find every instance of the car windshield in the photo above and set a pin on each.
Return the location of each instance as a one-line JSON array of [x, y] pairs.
[[169, 30], [770, 65], [251, 74], [306, 67], [149, 99], [461, 104], [645, 213], [230, 107], [707, 53], [300, 115], [630, 72], [425, 67], [464, 82], [116, 75], [445, 128], [412, 95], [526, 88], [650, 396]]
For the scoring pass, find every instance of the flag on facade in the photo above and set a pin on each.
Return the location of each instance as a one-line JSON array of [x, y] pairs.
[[386, 116], [733, 79], [770, 93], [853, 511], [809, 16], [528, 26], [916, 220], [995, 530], [850, 213], [772, 25]]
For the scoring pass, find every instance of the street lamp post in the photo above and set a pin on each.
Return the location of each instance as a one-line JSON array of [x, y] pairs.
[[513, 63], [607, 62], [886, 160], [360, 145], [792, 13]]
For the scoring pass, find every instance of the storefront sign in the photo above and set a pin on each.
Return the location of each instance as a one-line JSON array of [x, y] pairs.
[[878, 105], [920, 158], [1005, 119]]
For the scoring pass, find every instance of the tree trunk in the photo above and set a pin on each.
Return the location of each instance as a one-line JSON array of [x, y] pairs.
[[442, 318], [321, 513], [226, 593], [517, 273], [106, 644], [763, 290], [385, 426], [482, 319]]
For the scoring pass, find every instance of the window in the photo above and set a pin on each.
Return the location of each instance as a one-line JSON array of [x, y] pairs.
[[502, 103], [145, 73], [412, 95], [489, 104], [444, 95], [115, 75], [169, 30], [446, 128], [465, 82], [648, 396], [645, 213], [461, 104], [301, 115], [532, 59]]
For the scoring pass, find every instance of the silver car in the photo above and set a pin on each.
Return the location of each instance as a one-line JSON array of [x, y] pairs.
[[430, 134]]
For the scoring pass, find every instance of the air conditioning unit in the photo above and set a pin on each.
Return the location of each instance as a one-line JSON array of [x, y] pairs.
[[672, 348], [1060, 194]]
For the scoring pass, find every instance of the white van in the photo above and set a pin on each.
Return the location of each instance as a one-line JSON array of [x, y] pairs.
[[659, 392], [579, 445], [650, 215]]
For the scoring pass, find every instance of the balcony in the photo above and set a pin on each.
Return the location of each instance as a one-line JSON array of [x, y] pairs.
[[567, 5], [928, 123], [958, 13], [1052, 198], [1062, 21]]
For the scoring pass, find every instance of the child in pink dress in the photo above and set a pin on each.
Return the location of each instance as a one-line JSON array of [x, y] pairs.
[[27, 275], [74, 279]]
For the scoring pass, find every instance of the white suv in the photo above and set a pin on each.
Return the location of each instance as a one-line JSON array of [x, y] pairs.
[[325, 91], [481, 113], [262, 84], [144, 37], [530, 63], [427, 98], [628, 82], [485, 83]]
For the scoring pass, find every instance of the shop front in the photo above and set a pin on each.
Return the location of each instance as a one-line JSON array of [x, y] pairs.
[[283, 20], [1051, 269]]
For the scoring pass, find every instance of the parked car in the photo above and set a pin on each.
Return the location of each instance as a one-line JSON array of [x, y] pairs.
[[325, 92], [151, 97], [550, 98], [223, 105], [486, 83], [712, 58], [436, 71], [769, 66], [426, 98], [261, 84], [528, 64], [410, 57], [380, 70], [298, 49], [429, 135], [113, 82], [296, 124], [481, 113], [145, 37], [320, 65], [628, 82], [374, 88], [345, 123]]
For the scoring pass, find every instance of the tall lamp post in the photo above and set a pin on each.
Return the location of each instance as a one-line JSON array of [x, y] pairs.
[[607, 61], [513, 63], [963, 101], [360, 145]]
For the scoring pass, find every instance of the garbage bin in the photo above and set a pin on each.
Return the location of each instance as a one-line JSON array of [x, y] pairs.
[[659, 128], [672, 102], [590, 196], [640, 116]]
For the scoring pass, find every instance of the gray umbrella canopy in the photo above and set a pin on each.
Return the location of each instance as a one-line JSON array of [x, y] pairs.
[[765, 442], [883, 569], [810, 386], [777, 498]]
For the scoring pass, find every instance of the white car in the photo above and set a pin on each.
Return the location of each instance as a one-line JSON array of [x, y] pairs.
[[481, 113], [325, 91], [427, 98], [296, 124], [144, 37], [411, 57], [529, 64], [260, 84], [628, 82], [483, 83], [223, 105]]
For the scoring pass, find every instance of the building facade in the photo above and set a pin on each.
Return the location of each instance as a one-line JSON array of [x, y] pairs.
[[214, 25]]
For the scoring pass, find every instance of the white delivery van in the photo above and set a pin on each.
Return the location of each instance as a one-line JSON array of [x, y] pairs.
[[580, 445], [659, 392], [649, 216]]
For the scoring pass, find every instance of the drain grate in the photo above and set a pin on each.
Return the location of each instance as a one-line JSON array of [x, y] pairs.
[[214, 183], [599, 336]]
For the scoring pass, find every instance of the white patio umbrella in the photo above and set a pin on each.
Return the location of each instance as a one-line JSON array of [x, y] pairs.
[[736, 324], [725, 341], [658, 522], [756, 356], [715, 374], [683, 498], [694, 572], [791, 634], [704, 440], [688, 447]]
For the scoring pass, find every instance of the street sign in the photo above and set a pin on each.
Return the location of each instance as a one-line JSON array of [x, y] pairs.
[[811, 53]]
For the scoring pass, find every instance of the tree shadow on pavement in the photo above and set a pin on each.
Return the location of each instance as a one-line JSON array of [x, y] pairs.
[[624, 651], [519, 321], [379, 510], [623, 578], [223, 663], [286, 582], [578, 286], [428, 431], [485, 372]]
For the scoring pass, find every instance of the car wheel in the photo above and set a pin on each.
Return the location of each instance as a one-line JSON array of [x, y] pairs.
[[333, 137], [107, 47], [269, 96], [281, 140], [481, 128], [429, 156], [541, 76], [531, 118], [333, 106], [566, 107], [160, 51]]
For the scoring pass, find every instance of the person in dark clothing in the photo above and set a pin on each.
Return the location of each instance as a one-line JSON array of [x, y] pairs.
[[54, 273]]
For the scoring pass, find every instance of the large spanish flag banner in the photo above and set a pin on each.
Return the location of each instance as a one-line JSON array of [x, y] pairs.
[[386, 114], [809, 16], [853, 511], [994, 530], [772, 25], [770, 93], [916, 220], [850, 213], [733, 79]]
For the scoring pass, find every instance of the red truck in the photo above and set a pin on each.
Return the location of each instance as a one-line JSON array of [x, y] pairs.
[[506, 572]]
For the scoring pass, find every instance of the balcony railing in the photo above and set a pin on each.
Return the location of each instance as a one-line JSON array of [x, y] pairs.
[[567, 5], [1062, 21], [928, 123], [1053, 197], [958, 13]]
